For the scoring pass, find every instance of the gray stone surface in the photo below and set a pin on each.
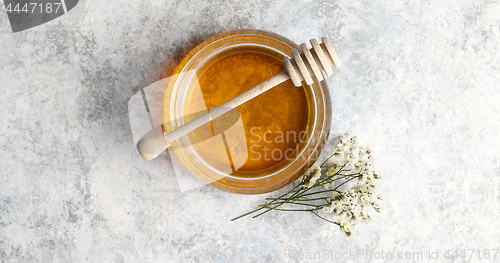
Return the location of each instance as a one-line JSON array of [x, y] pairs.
[[419, 84]]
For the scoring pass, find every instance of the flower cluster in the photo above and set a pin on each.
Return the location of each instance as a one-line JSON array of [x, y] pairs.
[[311, 176], [353, 204], [344, 184]]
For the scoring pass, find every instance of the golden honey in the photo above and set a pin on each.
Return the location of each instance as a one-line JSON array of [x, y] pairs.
[[274, 122], [265, 143]]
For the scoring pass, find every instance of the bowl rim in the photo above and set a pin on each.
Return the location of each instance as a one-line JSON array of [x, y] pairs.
[[276, 179]]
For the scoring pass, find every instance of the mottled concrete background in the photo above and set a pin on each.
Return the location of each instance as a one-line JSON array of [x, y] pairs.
[[420, 83]]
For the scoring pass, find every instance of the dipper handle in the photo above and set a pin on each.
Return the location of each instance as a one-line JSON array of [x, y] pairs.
[[310, 62], [301, 67]]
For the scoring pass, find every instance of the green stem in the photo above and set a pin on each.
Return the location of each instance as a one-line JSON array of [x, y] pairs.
[[332, 179], [296, 195], [306, 200], [285, 201], [294, 203], [251, 212], [346, 181], [327, 159], [318, 192], [325, 218], [306, 210]]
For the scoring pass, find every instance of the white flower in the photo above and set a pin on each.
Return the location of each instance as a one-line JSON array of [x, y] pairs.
[[314, 175], [333, 170], [365, 155], [366, 175], [309, 171], [348, 140], [344, 225], [358, 199], [350, 177], [344, 140], [354, 204], [327, 209]]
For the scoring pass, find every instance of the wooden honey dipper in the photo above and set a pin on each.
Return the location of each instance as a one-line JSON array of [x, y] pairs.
[[301, 67]]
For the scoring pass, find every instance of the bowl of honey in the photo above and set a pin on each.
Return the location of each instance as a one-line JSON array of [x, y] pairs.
[[263, 144]]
